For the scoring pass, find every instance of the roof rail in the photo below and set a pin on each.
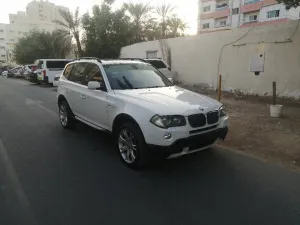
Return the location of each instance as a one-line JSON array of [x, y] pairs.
[[140, 59], [94, 58]]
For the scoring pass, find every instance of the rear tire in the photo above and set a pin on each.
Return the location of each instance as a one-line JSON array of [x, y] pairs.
[[131, 146], [66, 117]]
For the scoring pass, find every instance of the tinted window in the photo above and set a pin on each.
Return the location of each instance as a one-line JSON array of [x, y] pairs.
[[134, 76], [78, 73], [68, 70], [93, 73], [56, 64], [158, 64]]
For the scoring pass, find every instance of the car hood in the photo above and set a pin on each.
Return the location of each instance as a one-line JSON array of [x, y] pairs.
[[169, 100]]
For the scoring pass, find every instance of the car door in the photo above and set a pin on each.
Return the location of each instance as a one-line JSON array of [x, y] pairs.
[[72, 85], [94, 102]]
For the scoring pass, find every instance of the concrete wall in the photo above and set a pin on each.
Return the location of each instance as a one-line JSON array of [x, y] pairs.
[[196, 58]]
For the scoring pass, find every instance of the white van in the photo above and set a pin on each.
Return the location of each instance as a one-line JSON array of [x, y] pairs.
[[162, 66], [48, 68]]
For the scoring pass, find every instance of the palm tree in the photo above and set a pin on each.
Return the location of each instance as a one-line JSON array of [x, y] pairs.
[[163, 12], [72, 22], [62, 43], [176, 26], [139, 13]]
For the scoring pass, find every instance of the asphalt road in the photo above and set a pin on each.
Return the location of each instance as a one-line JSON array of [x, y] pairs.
[[49, 175]]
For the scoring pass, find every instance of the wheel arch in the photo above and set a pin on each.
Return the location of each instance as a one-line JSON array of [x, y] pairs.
[[123, 118], [61, 98]]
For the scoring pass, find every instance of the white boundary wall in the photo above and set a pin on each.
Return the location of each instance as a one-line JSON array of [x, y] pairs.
[[196, 58]]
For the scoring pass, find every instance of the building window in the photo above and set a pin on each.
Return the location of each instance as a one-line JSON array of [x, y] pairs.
[[1, 39], [11, 31], [151, 54], [274, 13], [223, 23], [2, 47], [19, 32], [206, 9], [252, 18], [1, 31], [3, 56], [205, 25], [235, 11], [12, 39]]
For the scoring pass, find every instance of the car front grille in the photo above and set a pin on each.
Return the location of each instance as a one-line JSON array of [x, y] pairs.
[[212, 117], [200, 120], [197, 120]]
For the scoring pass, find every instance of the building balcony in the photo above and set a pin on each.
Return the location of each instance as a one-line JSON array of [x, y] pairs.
[[256, 6], [247, 2], [256, 23], [269, 2], [222, 6], [215, 15]]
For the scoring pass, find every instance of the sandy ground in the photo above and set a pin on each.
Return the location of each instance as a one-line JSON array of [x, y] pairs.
[[254, 132]]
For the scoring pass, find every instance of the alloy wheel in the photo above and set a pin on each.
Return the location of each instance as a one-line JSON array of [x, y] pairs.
[[127, 146]]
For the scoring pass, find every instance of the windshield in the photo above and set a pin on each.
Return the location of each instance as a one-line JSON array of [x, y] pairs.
[[134, 76]]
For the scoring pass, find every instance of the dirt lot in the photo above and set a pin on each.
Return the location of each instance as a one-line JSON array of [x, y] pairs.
[[253, 131]]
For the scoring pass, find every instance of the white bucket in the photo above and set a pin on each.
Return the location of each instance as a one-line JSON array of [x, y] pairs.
[[276, 110]]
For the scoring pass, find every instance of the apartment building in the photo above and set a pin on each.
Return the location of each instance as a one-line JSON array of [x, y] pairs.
[[226, 14], [39, 15]]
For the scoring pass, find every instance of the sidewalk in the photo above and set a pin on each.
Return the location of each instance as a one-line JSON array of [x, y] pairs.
[[253, 131]]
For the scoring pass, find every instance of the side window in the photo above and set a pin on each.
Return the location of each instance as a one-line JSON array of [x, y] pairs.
[[68, 71], [78, 73], [93, 73]]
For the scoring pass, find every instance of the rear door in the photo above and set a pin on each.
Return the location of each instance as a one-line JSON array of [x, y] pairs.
[[72, 86], [93, 106]]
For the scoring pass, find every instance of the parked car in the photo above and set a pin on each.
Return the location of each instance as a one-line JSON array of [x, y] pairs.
[[48, 68], [145, 112], [56, 79], [17, 72], [27, 70], [162, 66], [4, 73]]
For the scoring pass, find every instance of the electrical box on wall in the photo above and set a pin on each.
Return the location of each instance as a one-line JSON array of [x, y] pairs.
[[257, 63]]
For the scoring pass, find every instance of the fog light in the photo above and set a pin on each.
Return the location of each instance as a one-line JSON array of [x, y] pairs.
[[167, 136]]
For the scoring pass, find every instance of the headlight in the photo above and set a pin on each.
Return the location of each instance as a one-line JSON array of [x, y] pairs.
[[168, 121], [222, 111]]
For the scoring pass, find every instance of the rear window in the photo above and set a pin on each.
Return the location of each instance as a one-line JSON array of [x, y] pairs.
[[56, 64], [158, 64]]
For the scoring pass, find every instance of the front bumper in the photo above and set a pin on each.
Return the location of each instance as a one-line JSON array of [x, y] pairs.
[[190, 144]]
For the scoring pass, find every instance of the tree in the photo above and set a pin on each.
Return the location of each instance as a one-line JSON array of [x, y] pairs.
[[139, 13], [41, 44], [176, 27], [72, 22], [106, 31], [163, 12], [290, 3]]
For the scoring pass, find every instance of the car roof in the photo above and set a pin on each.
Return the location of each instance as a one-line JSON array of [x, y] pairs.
[[105, 62], [55, 59], [111, 61]]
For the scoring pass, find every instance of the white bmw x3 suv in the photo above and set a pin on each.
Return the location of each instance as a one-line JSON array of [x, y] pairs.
[[147, 114]]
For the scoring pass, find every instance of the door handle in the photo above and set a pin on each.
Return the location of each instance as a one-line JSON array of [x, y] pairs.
[[82, 96]]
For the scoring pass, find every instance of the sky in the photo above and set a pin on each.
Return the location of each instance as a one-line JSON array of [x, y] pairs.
[[186, 9]]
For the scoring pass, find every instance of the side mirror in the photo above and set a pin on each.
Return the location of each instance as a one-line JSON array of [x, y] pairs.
[[94, 85], [171, 79]]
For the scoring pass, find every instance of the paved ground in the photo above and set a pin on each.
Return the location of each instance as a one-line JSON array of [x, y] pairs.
[[52, 176]]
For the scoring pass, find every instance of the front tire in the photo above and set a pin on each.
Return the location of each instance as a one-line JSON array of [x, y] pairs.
[[131, 146], [66, 116]]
